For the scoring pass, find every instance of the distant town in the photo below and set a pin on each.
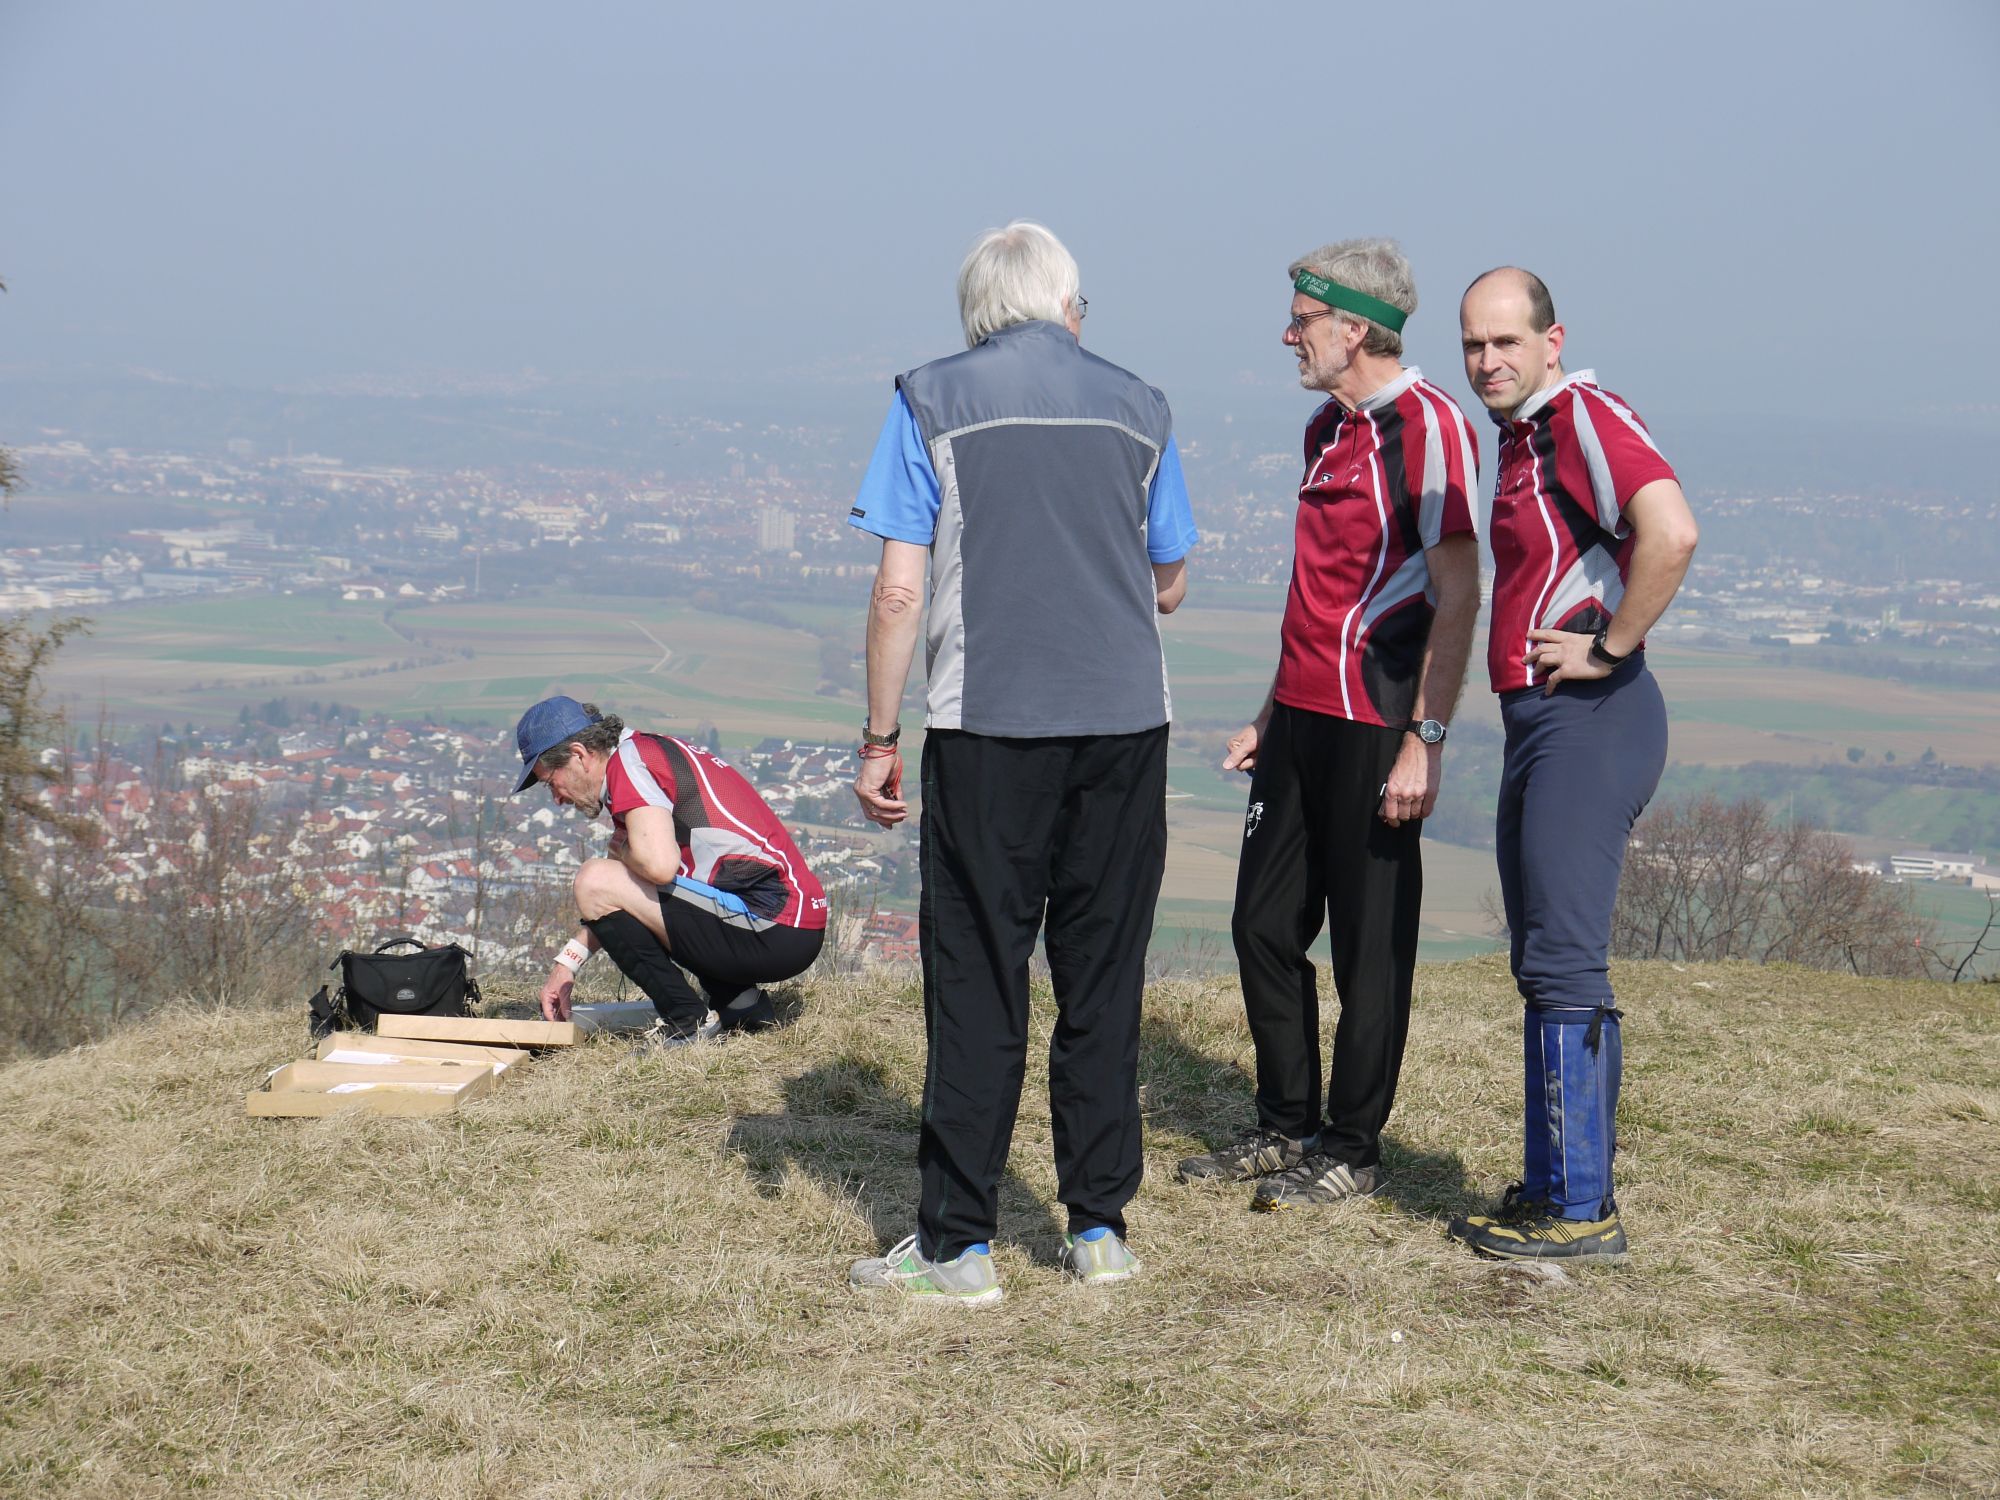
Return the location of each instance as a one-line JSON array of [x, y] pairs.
[[311, 523], [397, 826]]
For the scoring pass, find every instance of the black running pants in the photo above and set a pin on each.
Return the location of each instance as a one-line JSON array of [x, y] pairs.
[[1315, 849], [1072, 829]]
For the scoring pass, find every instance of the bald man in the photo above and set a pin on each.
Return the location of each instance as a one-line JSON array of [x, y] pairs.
[[1591, 539]]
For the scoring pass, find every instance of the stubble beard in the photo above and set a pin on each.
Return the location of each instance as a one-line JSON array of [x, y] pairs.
[[1315, 376]]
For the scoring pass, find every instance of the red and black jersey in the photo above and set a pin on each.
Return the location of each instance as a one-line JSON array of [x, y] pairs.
[[1382, 482], [1571, 459], [731, 843]]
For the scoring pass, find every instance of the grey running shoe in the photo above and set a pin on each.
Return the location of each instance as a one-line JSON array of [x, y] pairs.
[[1099, 1255], [968, 1281], [1254, 1153], [749, 1011], [1318, 1179], [662, 1038]]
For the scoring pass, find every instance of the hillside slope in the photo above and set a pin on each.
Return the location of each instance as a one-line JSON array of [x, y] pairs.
[[616, 1277]]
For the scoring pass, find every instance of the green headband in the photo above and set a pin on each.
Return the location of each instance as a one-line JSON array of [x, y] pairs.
[[1333, 294]]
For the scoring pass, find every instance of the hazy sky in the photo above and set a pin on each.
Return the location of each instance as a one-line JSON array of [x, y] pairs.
[[1745, 206]]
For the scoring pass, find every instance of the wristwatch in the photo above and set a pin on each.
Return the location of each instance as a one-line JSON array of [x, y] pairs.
[[1430, 731], [870, 737], [1603, 652]]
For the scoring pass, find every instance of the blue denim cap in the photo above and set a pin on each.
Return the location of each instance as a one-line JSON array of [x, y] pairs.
[[544, 727]]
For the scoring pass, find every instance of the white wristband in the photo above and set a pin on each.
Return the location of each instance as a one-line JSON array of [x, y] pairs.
[[573, 956]]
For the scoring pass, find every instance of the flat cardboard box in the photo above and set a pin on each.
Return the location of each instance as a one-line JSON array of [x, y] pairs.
[[479, 1029], [314, 1089], [365, 1047]]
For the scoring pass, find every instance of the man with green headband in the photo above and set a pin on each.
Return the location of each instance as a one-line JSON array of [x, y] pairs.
[[1346, 754]]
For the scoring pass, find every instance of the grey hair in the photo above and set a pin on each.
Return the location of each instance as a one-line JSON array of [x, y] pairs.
[[602, 733], [1014, 275], [1375, 268]]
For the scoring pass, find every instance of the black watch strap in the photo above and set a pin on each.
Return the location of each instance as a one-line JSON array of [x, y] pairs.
[[1603, 653]]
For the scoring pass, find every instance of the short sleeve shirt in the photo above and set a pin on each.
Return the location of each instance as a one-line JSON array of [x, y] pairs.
[[1571, 460], [899, 498], [729, 839], [1382, 483]]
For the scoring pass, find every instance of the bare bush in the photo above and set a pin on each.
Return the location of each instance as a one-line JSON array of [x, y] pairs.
[[45, 959], [1707, 881], [210, 904]]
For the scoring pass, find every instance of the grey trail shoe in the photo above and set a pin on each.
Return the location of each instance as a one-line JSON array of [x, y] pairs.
[[968, 1281], [1098, 1256], [1252, 1154], [1316, 1180], [661, 1038]]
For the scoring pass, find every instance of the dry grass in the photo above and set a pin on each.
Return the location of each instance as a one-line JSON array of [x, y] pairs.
[[619, 1278]]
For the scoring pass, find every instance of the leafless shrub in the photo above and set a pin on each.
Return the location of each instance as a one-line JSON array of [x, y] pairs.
[[1707, 881]]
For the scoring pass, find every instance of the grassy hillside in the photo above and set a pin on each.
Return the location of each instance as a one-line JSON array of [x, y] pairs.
[[622, 1278]]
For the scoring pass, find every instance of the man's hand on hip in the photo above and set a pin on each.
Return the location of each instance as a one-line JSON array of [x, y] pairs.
[[1413, 782]]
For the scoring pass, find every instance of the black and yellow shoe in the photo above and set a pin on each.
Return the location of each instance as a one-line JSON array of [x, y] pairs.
[[1542, 1236]]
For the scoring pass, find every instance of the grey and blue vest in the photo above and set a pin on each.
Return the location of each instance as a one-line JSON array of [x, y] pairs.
[[1042, 617]]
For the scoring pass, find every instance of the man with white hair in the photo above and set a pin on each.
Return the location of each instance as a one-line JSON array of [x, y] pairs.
[[1042, 488], [1346, 754]]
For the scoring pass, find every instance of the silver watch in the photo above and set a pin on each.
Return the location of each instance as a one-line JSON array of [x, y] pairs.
[[1430, 731]]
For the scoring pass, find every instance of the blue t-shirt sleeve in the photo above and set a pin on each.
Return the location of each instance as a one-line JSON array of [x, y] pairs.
[[1169, 519], [899, 493]]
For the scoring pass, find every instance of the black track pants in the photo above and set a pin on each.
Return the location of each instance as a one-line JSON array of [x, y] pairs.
[[1315, 848], [1012, 828]]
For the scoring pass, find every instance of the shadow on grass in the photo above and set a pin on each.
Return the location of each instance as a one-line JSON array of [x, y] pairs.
[[1194, 1093], [846, 1126], [1187, 1090], [1425, 1184]]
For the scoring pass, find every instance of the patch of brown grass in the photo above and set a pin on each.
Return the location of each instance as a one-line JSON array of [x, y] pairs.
[[621, 1278]]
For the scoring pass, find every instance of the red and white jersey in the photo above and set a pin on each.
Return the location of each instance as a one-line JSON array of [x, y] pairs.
[[730, 841], [1382, 482], [1570, 460]]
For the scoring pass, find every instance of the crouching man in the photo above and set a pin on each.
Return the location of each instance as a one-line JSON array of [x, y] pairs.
[[700, 874]]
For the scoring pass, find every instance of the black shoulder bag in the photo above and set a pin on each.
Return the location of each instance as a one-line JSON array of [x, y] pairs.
[[428, 982]]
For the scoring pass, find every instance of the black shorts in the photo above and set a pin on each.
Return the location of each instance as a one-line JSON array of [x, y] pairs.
[[713, 949]]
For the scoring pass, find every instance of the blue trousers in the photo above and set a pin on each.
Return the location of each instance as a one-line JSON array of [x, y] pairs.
[[1580, 766]]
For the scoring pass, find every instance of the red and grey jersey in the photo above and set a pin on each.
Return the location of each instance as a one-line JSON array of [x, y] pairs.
[[735, 855], [1571, 459], [1382, 482]]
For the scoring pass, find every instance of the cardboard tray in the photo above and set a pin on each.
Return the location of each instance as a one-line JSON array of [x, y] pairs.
[[312, 1089], [364, 1047], [478, 1029]]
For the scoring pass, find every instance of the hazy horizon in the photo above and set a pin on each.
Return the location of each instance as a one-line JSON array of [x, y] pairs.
[[778, 199]]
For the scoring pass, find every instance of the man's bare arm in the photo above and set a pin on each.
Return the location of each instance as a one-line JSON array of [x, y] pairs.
[[1412, 788], [1170, 585], [1454, 568], [651, 850], [895, 617], [1663, 543]]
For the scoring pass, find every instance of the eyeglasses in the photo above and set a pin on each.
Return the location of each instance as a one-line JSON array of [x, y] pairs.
[[1299, 320], [1082, 305]]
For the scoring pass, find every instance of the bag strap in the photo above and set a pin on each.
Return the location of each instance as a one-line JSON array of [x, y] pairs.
[[399, 940]]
